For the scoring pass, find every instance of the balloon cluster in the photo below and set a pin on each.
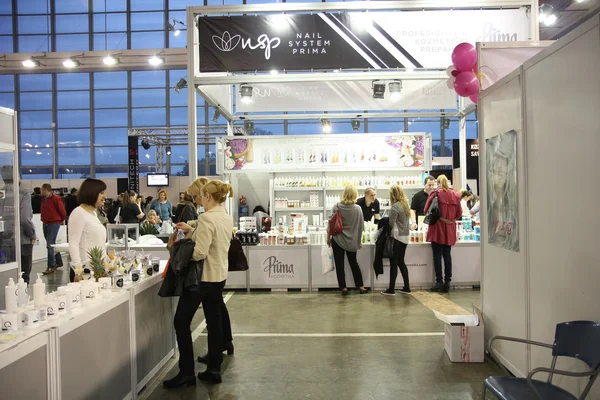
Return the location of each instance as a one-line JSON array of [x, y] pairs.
[[461, 75]]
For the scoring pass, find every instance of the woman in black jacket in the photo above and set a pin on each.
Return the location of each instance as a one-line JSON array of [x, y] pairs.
[[186, 210]]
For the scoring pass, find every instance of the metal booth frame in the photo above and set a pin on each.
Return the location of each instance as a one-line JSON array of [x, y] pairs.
[[207, 79]]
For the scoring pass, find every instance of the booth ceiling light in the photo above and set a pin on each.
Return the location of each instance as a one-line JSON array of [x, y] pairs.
[[70, 63], [30, 63], [581, 1], [249, 126], [395, 89], [326, 125], [355, 124], [182, 83], [173, 27], [216, 115], [378, 89], [110, 60], [168, 150], [156, 60], [145, 144], [246, 93], [547, 15]]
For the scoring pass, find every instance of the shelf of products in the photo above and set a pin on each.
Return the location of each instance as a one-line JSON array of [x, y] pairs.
[[298, 209]]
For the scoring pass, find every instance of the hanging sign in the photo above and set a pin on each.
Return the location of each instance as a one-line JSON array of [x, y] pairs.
[[133, 172], [377, 40]]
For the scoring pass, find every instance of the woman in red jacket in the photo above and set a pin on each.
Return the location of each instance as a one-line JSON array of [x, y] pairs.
[[442, 234]]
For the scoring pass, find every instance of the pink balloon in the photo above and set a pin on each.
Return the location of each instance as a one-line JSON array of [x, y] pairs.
[[464, 57], [474, 98], [466, 84]]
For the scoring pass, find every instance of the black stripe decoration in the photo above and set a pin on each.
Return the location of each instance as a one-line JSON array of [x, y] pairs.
[[397, 45], [374, 46], [357, 41]]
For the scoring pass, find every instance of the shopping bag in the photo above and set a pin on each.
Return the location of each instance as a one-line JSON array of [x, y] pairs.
[[327, 259]]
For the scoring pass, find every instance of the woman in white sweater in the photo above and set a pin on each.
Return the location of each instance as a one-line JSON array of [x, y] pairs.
[[85, 230]]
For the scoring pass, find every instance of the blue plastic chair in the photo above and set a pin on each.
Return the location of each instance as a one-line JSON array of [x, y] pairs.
[[576, 339]]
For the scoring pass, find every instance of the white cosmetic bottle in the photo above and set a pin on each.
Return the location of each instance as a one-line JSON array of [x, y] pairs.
[[10, 296], [39, 292], [23, 296]]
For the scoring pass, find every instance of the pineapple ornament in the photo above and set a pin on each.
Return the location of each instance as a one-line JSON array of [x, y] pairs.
[[96, 263]]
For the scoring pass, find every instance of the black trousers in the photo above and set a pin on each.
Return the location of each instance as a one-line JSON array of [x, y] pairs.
[[26, 260], [439, 251], [338, 257], [210, 295], [398, 261]]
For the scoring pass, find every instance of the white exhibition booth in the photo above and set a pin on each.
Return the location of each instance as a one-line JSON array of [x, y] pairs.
[[551, 102], [524, 116]]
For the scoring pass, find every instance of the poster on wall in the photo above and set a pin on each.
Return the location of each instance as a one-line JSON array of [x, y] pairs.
[[502, 200], [326, 152], [377, 40]]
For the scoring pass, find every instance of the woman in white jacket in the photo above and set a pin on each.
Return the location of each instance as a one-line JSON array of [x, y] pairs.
[[85, 229]]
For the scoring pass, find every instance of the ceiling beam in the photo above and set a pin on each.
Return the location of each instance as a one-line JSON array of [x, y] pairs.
[[91, 61], [357, 6], [201, 79]]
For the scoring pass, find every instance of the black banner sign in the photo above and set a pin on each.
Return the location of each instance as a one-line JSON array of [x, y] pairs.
[[133, 172], [296, 42], [472, 157]]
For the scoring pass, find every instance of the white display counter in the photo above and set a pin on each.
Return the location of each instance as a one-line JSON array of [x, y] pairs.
[[299, 267], [105, 349]]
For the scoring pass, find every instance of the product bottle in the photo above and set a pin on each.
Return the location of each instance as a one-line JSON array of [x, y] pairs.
[[39, 292], [10, 296], [22, 294]]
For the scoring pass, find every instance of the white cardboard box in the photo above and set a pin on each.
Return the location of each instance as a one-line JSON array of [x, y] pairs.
[[464, 336]]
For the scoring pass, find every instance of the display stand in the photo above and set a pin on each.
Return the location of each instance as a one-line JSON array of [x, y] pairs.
[[108, 348], [25, 367]]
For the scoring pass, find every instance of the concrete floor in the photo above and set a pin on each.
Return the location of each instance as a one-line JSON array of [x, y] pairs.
[[279, 357], [325, 346]]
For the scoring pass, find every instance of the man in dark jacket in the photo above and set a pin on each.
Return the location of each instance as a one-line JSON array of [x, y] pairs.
[[71, 202], [28, 236], [36, 200]]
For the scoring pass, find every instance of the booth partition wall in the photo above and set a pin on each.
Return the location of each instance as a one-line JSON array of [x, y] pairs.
[[74, 124]]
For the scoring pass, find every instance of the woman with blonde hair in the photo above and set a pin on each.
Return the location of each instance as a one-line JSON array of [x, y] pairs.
[[162, 205], [399, 226], [212, 236], [442, 234], [349, 240]]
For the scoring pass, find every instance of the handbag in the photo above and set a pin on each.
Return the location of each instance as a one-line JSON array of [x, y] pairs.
[[433, 214], [335, 224], [327, 259], [236, 258]]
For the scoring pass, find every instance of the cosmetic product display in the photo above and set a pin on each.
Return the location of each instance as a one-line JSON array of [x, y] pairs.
[[39, 291]]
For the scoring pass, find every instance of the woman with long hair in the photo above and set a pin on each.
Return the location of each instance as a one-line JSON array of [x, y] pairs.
[[465, 197], [85, 229], [442, 234], [349, 240], [212, 236], [399, 226], [131, 212]]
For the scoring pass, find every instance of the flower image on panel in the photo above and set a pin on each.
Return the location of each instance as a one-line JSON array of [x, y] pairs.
[[502, 200]]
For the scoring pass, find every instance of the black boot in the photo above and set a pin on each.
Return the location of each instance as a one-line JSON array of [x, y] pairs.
[[446, 287], [204, 357], [180, 380], [210, 376], [439, 286]]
